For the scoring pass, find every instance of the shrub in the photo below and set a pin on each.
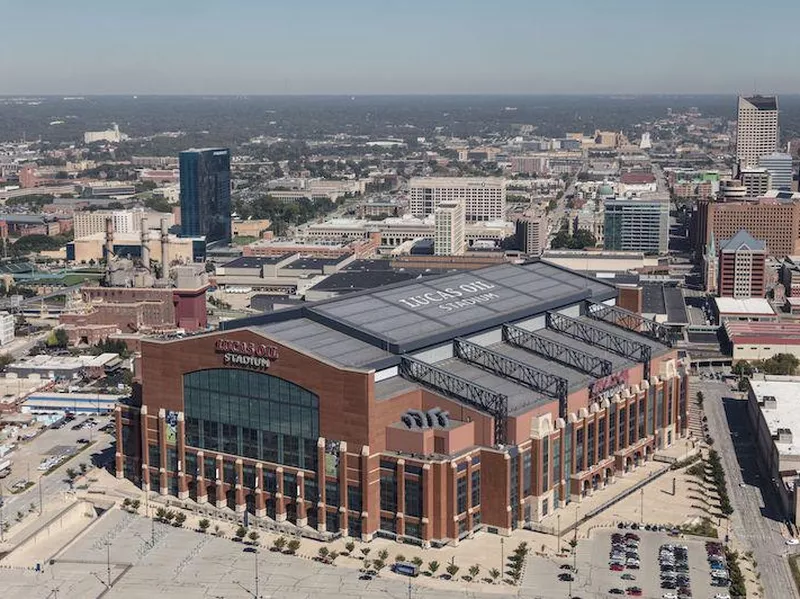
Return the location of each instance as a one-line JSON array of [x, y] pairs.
[[494, 573], [365, 551], [433, 566], [279, 543], [383, 554], [452, 570], [203, 525], [474, 571], [253, 536], [180, 518], [323, 552], [240, 532], [350, 546], [292, 546], [417, 561], [399, 557]]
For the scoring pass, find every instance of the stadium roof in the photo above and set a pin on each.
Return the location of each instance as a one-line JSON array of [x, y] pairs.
[[411, 315]]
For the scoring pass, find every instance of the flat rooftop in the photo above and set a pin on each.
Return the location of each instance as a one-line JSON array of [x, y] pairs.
[[252, 261], [786, 414], [751, 305], [763, 332]]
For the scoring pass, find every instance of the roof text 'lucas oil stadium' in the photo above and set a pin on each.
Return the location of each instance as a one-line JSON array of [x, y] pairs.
[[467, 291]]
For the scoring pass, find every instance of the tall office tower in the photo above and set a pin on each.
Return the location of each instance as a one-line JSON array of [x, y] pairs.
[[742, 267], [449, 232], [757, 129], [484, 198], [531, 233], [206, 194], [757, 181], [780, 167], [635, 225]]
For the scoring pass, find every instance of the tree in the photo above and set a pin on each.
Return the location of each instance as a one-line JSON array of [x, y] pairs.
[[379, 565], [780, 364], [323, 552], [452, 570], [240, 532], [417, 561], [5, 360], [494, 573], [161, 514], [474, 571], [126, 503], [253, 536], [383, 554], [279, 543], [58, 338], [83, 467], [350, 546], [180, 518], [135, 505], [203, 525], [71, 474], [399, 557], [292, 546], [365, 551], [742, 368], [433, 566]]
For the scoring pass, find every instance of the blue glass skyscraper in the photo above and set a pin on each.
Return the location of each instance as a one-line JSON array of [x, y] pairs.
[[206, 194]]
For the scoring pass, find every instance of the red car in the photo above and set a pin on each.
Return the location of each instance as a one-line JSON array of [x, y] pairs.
[[634, 591], [617, 567]]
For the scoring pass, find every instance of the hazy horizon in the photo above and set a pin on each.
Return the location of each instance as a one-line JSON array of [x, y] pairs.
[[357, 47]]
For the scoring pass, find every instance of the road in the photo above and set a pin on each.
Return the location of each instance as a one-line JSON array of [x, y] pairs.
[[756, 520]]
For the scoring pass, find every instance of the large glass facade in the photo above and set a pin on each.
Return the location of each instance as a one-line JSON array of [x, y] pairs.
[[251, 414]]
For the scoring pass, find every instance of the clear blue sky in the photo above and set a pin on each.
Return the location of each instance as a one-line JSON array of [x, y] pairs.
[[399, 46]]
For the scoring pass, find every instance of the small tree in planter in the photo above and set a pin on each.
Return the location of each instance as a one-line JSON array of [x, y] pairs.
[[203, 525], [279, 543], [474, 571], [161, 514], [217, 530], [253, 536], [240, 533], [292, 546], [452, 570], [135, 505], [332, 556], [399, 557], [180, 518], [432, 567], [379, 565], [494, 573], [383, 555], [126, 503], [350, 546], [323, 553], [365, 551], [417, 561]]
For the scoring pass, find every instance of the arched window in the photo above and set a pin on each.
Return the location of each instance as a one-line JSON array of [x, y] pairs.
[[251, 414]]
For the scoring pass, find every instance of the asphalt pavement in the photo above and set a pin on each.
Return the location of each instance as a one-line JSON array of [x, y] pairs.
[[756, 519]]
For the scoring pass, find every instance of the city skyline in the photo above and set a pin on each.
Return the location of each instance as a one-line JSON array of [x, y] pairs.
[[357, 48]]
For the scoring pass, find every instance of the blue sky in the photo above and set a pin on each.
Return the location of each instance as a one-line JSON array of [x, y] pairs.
[[399, 46]]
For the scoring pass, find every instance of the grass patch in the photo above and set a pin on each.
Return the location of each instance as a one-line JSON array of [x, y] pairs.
[[687, 462], [703, 529], [244, 239]]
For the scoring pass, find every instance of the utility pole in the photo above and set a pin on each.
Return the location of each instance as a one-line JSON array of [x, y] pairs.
[[108, 562], [41, 503], [641, 506], [558, 519], [502, 559], [256, 555]]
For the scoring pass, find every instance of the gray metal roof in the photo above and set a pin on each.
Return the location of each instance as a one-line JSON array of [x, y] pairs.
[[520, 398], [617, 362], [328, 344], [575, 378], [410, 316], [656, 347]]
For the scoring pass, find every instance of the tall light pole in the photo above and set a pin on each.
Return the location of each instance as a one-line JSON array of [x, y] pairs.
[[108, 562], [558, 519], [502, 558], [641, 506], [41, 503]]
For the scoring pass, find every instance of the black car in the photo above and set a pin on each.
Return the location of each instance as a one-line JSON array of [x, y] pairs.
[[616, 592], [566, 577], [565, 567]]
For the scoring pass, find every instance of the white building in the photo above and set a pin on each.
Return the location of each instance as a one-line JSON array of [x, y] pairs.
[[779, 166], [88, 223], [6, 328], [112, 135], [756, 129], [484, 198], [449, 229]]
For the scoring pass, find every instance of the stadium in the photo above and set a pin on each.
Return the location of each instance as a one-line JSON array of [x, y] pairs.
[[424, 411]]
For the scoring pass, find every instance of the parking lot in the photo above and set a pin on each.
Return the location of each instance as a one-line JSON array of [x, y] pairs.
[[601, 579]]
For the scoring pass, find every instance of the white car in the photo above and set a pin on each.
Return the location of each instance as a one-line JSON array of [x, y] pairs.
[[669, 596], [792, 542], [722, 596]]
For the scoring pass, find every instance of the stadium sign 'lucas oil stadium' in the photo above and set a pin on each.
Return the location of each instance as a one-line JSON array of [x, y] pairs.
[[242, 353], [470, 294]]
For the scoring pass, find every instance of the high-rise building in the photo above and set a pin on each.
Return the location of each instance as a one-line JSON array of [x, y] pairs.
[[757, 181], [87, 223], [531, 232], [636, 225], [484, 198], [779, 166], [449, 232], [775, 221], [206, 194], [757, 129], [742, 267]]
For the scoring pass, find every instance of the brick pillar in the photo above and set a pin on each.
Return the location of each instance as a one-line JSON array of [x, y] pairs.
[[427, 506], [280, 505], [400, 474], [322, 521], [302, 518], [119, 456], [202, 491], [261, 507], [343, 523], [222, 499], [241, 504], [469, 493], [367, 530], [452, 503], [163, 487], [183, 483], [145, 448]]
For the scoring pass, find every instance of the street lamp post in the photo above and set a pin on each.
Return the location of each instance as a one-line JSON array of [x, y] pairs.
[[641, 506], [108, 562], [502, 558], [558, 520]]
